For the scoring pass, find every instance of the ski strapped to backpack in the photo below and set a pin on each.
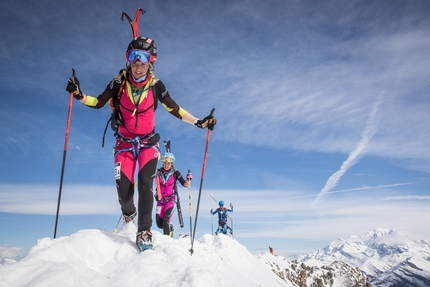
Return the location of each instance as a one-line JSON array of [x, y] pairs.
[[134, 25], [116, 118], [175, 188]]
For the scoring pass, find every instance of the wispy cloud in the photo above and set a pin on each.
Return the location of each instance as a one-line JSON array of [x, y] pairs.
[[319, 105], [356, 154], [352, 189], [408, 197], [42, 199]]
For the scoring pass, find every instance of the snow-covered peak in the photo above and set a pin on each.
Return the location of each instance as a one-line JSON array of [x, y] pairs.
[[379, 232], [380, 253], [336, 274]]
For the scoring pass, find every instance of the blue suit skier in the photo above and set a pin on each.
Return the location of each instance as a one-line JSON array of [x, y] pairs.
[[222, 218]]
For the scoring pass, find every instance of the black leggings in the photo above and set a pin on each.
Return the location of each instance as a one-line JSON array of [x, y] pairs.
[[164, 222], [146, 199]]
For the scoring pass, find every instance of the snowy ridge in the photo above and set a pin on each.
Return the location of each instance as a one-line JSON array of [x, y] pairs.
[[336, 274], [7, 261], [389, 257], [102, 258]]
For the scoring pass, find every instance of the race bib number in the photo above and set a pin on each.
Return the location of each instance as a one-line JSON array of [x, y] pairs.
[[117, 171]]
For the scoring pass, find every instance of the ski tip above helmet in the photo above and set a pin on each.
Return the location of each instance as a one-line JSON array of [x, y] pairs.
[[221, 203], [168, 157], [146, 44]]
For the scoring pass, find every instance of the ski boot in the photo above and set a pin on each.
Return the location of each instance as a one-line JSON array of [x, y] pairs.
[[144, 240], [129, 218]]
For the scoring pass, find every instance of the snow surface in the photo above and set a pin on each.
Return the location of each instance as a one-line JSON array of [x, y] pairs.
[[103, 258]]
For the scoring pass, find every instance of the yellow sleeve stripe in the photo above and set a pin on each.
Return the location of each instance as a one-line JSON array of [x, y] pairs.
[[167, 108], [181, 111], [91, 101]]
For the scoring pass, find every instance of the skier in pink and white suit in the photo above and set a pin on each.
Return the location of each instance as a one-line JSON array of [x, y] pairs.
[[167, 176]]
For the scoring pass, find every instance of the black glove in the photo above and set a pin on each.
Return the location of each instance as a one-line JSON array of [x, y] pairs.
[[212, 210], [73, 87], [208, 122]]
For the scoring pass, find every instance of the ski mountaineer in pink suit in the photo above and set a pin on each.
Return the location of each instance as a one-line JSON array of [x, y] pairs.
[[134, 94], [167, 176]]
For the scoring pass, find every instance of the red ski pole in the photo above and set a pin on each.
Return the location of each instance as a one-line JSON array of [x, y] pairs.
[[66, 141], [208, 137]]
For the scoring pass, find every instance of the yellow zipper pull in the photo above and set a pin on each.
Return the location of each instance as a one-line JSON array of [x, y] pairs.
[[134, 112]]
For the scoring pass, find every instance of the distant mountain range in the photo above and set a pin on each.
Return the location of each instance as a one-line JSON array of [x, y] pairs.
[[6, 261], [335, 274], [388, 257]]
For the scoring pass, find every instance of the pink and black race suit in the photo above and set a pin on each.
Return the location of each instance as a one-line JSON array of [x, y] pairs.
[[136, 102], [165, 206]]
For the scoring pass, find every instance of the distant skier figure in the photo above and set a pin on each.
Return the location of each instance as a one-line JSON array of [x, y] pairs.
[[167, 177], [222, 218]]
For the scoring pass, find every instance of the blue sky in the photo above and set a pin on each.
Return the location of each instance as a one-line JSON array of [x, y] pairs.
[[322, 106]]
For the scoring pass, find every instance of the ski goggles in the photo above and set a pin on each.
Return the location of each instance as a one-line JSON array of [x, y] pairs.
[[167, 159], [134, 55]]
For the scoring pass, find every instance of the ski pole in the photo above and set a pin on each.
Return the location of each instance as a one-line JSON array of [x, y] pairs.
[[232, 225], [178, 205], [121, 215], [201, 182], [119, 219], [66, 141], [213, 197], [191, 209], [157, 180]]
